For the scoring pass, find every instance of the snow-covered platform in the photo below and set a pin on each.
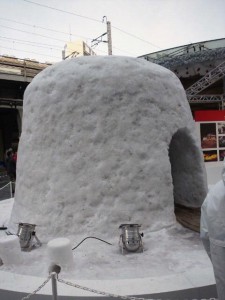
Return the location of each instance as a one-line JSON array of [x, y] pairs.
[[191, 284], [129, 154], [173, 266], [194, 282]]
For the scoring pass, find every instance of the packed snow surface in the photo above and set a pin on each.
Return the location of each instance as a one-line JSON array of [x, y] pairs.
[[10, 252], [60, 252], [167, 252], [107, 141]]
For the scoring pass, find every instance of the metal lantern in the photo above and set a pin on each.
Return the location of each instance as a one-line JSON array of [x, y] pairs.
[[27, 235], [130, 238]]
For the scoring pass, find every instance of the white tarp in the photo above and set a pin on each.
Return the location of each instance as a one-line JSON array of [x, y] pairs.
[[213, 233]]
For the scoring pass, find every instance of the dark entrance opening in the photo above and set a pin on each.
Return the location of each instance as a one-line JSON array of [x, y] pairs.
[[189, 178]]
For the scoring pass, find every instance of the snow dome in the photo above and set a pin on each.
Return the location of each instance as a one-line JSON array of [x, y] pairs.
[[106, 141]]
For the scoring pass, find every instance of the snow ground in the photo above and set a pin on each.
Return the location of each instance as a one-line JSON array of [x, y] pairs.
[[167, 252]]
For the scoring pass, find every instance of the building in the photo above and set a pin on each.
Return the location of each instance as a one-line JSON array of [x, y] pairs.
[[15, 75], [191, 63], [77, 48], [201, 70]]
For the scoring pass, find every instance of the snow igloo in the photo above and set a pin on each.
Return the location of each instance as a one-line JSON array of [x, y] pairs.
[[106, 141]]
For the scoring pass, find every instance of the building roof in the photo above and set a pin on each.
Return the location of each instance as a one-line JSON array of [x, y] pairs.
[[21, 69]]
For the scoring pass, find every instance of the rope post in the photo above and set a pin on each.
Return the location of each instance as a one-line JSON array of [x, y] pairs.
[[54, 285]]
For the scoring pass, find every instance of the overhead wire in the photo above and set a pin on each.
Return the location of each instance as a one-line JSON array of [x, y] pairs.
[[33, 33], [37, 34], [130, 34], [92, 19], [64, 11], [44, 28], [41, 45], [59, 48], [61, 32], [29, 52]]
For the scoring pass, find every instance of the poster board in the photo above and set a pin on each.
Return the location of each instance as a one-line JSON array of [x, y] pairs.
[[212, 137], [211, 129]]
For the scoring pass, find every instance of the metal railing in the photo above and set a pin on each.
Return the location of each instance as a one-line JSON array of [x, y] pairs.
[[210, 78], [7, 190]]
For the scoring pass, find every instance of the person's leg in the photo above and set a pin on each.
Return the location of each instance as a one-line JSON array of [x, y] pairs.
[[218, 261]]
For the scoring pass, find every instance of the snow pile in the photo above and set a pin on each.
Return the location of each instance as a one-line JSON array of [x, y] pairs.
[[105, 141], [5, 211], [10, 252], [167, 252], [60, 252]]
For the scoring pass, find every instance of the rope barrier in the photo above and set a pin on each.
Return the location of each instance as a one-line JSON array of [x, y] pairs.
[[38, 289], [109, 294], [99, 292], [54, 276]]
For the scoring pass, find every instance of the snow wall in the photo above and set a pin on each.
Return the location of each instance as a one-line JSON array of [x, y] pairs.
[[106, 141]]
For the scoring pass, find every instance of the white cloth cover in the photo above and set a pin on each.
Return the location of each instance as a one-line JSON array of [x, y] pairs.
[[213, 215], [212, 232], [218, 261]]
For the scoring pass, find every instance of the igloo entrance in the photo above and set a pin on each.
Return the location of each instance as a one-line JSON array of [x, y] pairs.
[[186, 171]]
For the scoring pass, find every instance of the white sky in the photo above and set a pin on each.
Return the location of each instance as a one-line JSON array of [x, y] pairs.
[[157, 24]]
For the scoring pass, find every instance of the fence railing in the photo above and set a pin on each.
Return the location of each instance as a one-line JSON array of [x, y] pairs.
[[7, 190]]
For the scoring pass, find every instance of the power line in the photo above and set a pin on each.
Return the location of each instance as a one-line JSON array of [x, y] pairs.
[[64, 11], [30, 43], [19, 41], [130, 34], [44, 28], [92, 19], [38, 35], [33, 33], [31, 52]]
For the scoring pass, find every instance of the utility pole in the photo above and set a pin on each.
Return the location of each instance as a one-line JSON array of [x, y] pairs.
[[98, 40], [109, 38]]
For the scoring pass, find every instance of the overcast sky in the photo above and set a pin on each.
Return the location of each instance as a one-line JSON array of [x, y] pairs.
[[30, 30]]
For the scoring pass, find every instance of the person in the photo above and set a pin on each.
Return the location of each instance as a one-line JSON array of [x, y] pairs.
[[10, 165], [212, 231]]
